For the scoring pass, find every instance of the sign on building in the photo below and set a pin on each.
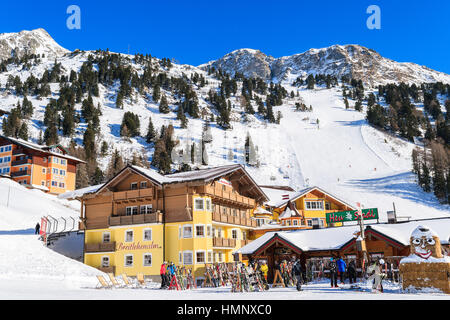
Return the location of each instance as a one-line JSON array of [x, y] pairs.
[[352, 215]]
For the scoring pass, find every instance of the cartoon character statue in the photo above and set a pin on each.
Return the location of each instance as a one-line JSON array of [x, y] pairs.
[[425, 243], [426, 266]]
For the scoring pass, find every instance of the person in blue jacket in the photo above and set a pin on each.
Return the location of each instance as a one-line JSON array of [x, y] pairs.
[[342, 268]]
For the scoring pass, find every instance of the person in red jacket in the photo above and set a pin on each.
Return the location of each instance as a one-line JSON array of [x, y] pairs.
[[162, 272]]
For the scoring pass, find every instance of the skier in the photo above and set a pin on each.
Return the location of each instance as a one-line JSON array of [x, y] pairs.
[[162, 272], [376, 274], [297, 271], [333, 270], [342, 268], [351, 270], [37, 228], [264, 269]]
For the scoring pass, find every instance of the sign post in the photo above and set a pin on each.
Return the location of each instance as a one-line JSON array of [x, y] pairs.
[[363, 237]]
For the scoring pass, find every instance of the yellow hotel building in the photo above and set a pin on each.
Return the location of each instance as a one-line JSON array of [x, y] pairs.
[[139, 219]]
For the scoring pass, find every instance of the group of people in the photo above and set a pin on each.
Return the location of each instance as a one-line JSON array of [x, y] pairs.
[[338, 267], [291, 272], [167, 271]]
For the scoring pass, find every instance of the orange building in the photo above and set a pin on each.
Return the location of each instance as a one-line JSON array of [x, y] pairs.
[[48, 168]]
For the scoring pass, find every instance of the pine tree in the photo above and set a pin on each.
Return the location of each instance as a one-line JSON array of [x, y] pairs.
[[163, 105], [151, 134], [23, 132]]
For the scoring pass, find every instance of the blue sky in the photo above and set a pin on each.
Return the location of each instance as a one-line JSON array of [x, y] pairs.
[[194, 32]]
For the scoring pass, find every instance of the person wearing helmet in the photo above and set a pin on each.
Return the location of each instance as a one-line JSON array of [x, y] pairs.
[[162, 272], [332, 266]]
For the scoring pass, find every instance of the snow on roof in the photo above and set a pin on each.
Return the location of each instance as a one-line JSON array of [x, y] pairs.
[[276, 195], [260, 210], [307, 240], [302, 192], [401, 232], [40, 148], [203, 174], [79, 192], [335, 238], [36, 186]]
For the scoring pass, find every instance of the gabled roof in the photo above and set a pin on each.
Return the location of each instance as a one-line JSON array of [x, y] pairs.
[[339, 237], [305, 191], [203, 175], [43, 149], [290, 211]]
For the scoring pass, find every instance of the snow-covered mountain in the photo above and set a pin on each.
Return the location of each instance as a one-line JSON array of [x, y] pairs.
[[339, 60], [343, 155], [36, 41]]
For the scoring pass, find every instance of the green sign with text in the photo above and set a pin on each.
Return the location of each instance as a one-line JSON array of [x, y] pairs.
[[351, 215]]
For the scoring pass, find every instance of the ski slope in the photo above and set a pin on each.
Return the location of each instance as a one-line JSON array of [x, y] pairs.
[[347, 157]]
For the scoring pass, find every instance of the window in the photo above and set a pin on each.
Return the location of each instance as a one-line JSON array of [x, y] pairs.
[[219, 257], [133, 186], [295, 222], [208, 204], [147, 234], [224, 210], [234, 213], [187, 231], [54, 184], [55, 160], [321, 223], [131, 210], [44, 171], [55, 171], [129, 260], [309, 222], [61, 185], [63, 162], [198, 204], [180, 258], [210, 256], [5, 170], [200, 231], [62, 172], [129, 236], [200, 257], [187, 257], [143, 184], [244, 235], [147, 260], [6, 159], [314, 205], [44, 159], [327, 206], [43, 183], [146, 209], [219, 233], [5, 149], [234, 233], [209, 231], [106, 237], [105, 262]]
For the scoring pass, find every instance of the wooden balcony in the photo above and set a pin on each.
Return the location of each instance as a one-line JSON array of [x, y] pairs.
[[132, 195], [106, 222], [227, 197], [155, 217], [22, 173], [21, 162], [225, 218], [224, 243], [100, 247], [18, 152]]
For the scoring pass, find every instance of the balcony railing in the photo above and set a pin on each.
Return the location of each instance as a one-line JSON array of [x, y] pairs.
[[245, 242], [240, 221], [106, 222], [227, 196], [155, 217], [18, 152], [20, 173], [21, 162], [224, 242], [100, 247], [133, 194]]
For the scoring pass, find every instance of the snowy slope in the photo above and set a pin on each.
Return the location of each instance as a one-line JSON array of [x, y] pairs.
[[36, 41], [344, 156]]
